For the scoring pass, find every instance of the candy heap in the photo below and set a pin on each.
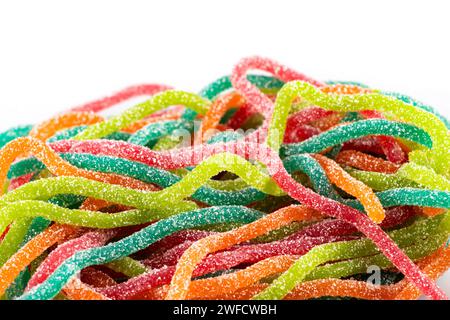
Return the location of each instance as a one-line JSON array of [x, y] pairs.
[[258, 187]]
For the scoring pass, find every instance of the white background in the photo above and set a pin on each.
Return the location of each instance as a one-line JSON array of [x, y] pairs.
[[59, 54]]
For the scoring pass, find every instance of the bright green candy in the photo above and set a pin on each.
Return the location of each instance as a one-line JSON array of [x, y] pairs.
[[349, 250], [187, 186], [418, 104], [424, 176], [165, 179], [137, 241], [157, 102], [127, 266], [83, 218], [24, 228], [13, 238], [343, 133], [381, 181]]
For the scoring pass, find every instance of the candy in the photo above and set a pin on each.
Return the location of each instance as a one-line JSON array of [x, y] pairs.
[[365, 162], [354, 187], [378, 102], [157, 102], [138, 241], [433, 265], [258, 186], [302, 194], [32, 249], [48, 128], [230, 283], [185, 266], [323, 254]]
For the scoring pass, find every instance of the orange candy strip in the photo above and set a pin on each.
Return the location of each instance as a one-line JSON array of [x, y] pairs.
[[48, 128], [30, 251], [431, 212], [196, 252], [214, 114], [366, 162], [354, 187]]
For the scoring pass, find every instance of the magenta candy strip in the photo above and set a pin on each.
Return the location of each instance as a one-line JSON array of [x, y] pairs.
[[261, 250], [325, 229], [307, 115]]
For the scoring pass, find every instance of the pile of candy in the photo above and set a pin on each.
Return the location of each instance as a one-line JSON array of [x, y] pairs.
[[258, 187]]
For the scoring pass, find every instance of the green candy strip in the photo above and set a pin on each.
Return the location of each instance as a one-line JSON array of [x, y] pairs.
[[414, 102], [129, 267], [424, 176]]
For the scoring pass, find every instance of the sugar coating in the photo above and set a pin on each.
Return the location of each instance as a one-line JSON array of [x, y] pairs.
[[330, 166]]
